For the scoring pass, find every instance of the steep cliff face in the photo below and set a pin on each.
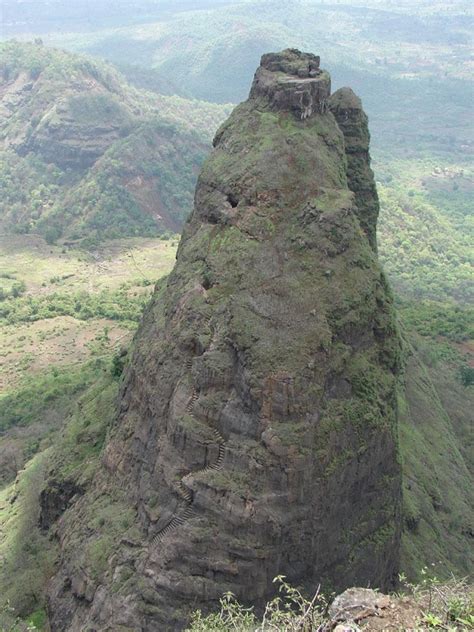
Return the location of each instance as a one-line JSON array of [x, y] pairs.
[[257, 430], [352, 121]]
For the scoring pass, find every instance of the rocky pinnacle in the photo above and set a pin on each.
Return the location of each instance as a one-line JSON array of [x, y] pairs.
[[257, 424]]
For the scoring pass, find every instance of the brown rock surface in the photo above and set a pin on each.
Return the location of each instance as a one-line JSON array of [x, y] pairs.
[[358, 609]]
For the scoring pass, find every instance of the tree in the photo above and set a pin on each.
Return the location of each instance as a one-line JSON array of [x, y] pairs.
[[18, 288]]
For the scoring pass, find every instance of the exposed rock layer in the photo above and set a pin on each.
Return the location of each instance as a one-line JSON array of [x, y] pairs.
[[352, 121], [257, 426]]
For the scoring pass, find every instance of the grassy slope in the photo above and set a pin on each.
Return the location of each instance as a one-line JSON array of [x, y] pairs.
[[74, 305], [437, 454], [75, 311], [28, 553]]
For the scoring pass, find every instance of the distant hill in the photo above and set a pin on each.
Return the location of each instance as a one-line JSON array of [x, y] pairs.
[[85, 156], [395, 56], [409, 61]]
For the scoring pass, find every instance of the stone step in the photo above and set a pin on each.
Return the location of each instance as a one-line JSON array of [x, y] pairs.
[[176, 522], [183, 491], [187, 496]]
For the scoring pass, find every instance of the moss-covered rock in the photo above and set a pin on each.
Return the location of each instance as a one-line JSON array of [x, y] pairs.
[[272, 356]]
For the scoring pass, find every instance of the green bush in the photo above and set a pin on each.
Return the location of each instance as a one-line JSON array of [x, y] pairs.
[[466, 374], [433, 319], [52, 234]]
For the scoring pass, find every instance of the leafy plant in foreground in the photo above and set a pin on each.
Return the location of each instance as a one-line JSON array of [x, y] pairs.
[[289, 611], [446, 605]]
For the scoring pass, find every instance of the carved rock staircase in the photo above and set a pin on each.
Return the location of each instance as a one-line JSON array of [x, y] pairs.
[[186, 494]]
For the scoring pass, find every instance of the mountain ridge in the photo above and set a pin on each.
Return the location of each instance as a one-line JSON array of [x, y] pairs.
[[67, 122]]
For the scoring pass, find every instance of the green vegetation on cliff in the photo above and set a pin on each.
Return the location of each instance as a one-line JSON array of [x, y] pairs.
[[436, 444], [28, 552]]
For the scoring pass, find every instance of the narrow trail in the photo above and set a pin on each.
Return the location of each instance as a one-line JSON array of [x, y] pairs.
[[183, 490]]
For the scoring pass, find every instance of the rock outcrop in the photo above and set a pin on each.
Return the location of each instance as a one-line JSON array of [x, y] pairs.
[[359, 609], [294, 83], [352, 121], [257, 424]]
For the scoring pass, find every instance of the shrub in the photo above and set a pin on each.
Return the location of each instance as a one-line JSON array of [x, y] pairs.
[[52, 234], [289, 611], [446, 605], [18, 288]]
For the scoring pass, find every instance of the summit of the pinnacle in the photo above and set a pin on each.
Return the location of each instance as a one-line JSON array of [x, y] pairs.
[[292, 80]]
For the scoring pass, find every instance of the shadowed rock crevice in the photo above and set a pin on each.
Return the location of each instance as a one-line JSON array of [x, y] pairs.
[[257, 432], [55, 499]]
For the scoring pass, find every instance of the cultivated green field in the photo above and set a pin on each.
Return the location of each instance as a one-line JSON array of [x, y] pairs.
[[71, 312]]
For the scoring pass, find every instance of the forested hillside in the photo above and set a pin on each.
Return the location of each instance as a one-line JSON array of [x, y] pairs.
[[83, 156]]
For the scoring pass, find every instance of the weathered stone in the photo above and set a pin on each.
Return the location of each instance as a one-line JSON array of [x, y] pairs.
[[357, 603], [352, 120], [366, 609], [292, 81], [55, 499]]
